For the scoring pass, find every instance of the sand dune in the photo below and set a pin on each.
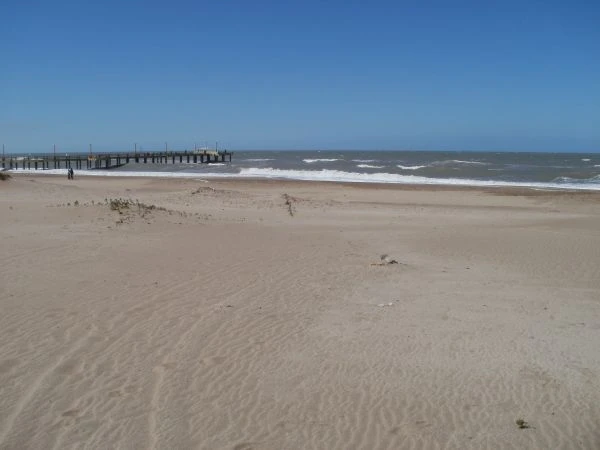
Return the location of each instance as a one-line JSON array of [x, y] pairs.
[[205, 315]]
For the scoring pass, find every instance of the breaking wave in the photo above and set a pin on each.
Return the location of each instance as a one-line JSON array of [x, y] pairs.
[[369, 166], [454, 162], [355, 177], [592, 183], [400, 166], [310, 161], [595, 179]]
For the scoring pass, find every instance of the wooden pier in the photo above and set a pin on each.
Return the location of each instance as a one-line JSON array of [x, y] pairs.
[[111, 160]]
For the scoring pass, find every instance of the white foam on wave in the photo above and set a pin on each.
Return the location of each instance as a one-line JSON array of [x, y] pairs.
[[400, 166], [353, 177], [41, 171], [258, 159], [364, 160], [594, 179], [586, 159], [475, 163], [369, 166], [327, 175], [310, 161], [459, 162]]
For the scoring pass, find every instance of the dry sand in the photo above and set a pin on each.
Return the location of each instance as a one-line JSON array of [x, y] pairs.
[[228, 319]]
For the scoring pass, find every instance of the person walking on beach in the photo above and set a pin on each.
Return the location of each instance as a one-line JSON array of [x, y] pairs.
[[70, 173]]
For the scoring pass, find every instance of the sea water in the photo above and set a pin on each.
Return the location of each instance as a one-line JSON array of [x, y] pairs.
[[537, 170]]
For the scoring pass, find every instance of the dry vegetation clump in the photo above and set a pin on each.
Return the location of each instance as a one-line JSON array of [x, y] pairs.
[[123, 205], [522, 424], [129, 210], [202, 189], [4, 176]]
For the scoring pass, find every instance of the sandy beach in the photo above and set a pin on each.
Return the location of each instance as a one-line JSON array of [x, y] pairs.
[[249, 314]]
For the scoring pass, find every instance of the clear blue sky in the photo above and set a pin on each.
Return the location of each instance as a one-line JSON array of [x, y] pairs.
[[253, 74]]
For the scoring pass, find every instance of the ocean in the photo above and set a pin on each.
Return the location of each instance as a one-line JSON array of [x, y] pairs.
[[536, 170]]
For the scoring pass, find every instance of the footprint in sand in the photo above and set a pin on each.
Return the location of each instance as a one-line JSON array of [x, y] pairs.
[[71, 413], [213, 360], [244, 446], [69, 367], [165, 366]]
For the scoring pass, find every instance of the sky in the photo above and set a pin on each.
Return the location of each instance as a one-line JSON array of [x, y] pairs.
[[386, 75]]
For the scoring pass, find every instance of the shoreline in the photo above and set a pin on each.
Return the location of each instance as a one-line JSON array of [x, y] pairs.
[[516, 189]]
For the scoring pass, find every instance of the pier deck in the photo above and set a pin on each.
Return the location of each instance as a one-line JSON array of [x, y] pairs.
[[110, 160]]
